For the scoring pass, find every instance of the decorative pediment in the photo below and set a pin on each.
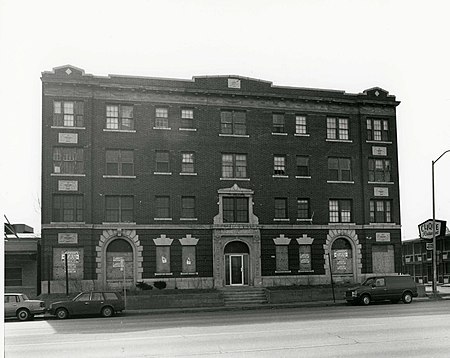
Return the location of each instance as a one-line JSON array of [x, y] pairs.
[[163, 241], [376, 92], [305, 240], [68, 70], [281, 240], [236, 189], [188, 240]]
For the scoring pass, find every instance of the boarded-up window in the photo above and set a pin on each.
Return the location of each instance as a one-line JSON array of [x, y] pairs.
[[282, 258], [162, 259], [189, 259], [305, 257]]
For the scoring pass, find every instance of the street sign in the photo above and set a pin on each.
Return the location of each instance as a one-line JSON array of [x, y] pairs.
[[426, 228], [429, 246]]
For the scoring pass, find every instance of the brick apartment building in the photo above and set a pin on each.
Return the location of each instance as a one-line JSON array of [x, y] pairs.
[[215, 181]]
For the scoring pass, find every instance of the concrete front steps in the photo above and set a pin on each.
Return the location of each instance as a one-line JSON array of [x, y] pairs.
[[243, 296]]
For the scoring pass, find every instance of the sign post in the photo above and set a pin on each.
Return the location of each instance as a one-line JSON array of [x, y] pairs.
[[70, 259], [429, 230], [66, 264]]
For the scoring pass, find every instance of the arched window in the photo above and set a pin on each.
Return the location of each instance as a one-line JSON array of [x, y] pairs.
[[342, 256], [119, 250]]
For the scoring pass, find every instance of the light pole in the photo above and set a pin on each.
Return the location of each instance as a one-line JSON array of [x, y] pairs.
[[433, 162]]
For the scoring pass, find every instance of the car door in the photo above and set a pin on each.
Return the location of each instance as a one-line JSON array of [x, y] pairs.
[[379, 289], [81, 304], [96, 302], [10, 305]]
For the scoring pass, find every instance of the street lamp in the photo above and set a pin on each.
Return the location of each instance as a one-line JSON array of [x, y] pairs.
[[433, 162]]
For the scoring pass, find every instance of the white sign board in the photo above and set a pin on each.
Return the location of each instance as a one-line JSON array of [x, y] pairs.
[[67, 185], [429, 246], [68, 138], [383, 237], [67, 238], [72, 256], [426, 228], [118, 262]]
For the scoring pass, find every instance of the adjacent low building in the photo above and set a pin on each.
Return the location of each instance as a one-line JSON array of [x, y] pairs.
[[215, 181], [22, 260]]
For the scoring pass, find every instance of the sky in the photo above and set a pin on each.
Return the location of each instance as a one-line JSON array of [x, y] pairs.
[[401, 46]]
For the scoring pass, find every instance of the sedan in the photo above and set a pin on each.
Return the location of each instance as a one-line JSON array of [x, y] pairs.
[[20, 306], [103, 303]]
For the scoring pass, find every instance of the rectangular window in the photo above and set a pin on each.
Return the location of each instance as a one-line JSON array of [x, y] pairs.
[[281, 208], [233, 122], [189, 259], [68, 160], [300, 125], [340, 211], [304, 258], [188, 207], [303, 211], [339, 169], [162, 161], [380, 211], [119, 162], [337, 128], [68, 114], [279, 165], [119, 208], [119, 117], [187, 118], [13, 276], [161, 118], [302, 166], [377, 129], [67, 208], [235, 209], [282, 258], [163, 207], [187, 162], [163, 259], [278, 123], [379, 170], [234, 165]]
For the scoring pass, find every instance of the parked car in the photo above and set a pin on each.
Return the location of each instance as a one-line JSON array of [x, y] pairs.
[[383, 288], [20, 306], [105, 303]]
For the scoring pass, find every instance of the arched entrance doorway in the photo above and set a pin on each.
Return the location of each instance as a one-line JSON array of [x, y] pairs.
[[236, 264], [342, 257], [116, 251]]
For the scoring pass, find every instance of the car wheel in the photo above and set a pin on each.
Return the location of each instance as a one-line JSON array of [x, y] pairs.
[[23, 314], [407, 297], [62, 313], [107, 311], [365, 300]]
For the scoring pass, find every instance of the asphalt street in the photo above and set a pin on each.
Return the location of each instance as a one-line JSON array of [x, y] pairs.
[[380, 330]]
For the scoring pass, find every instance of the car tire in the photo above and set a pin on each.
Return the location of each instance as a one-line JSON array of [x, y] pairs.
[[107, 311], [61, 313], [365, 300], [407, 297], [23, 314]]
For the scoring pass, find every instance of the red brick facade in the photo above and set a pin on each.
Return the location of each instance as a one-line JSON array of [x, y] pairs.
[[77, 208]]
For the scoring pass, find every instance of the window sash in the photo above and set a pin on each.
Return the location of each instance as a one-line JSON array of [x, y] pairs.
[[340, 211], [279, 165], [300, 124], [119, 208], [302, 166], [339, 169], [303, 209], [163, 207], [278, 123], [337, 128], [67, 208], [381, 211], [235, 209], [120, 162], [233, 122], [234, 165], [188, 207], [68, 113], [379, 170], [119, 117], [281, 208], [187, 163], [161, 118], [162, 162]]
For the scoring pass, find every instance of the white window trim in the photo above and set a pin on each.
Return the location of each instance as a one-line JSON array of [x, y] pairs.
[[279, 219], [188, 219], [118, 223], [302, 135], [162, 219], [340, 182], [381, 182], [118, 130], [189, 273], [288, 271], [66, 175], [236, 179], [187, 129], [162, 173], [339, 140], [163, 274], [282, 134], [234, 135], [280, 176], [68, 127], [341, 224], [120, 176], [378, 142], [305, 271], [303, 177], [67, 222], [163, 128], [188, 174]]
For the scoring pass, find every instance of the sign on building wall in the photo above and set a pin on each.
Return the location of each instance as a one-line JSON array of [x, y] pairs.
[[377, 191], [234, 83], [67, 238], [379, 151], [382, 237], [75, 263], [67, 138], [67, 185]]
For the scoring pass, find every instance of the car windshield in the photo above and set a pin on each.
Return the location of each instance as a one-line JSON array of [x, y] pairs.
[[369, 282]]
